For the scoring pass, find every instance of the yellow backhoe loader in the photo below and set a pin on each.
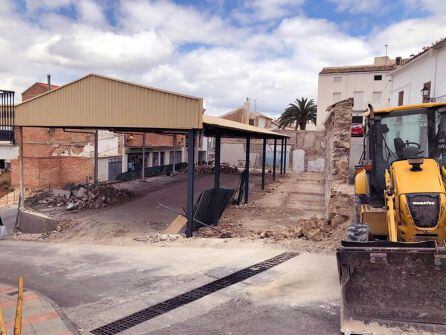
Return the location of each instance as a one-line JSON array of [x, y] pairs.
[[392, 266]]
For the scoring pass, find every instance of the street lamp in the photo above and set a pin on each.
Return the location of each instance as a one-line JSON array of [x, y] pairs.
[[425, 93]]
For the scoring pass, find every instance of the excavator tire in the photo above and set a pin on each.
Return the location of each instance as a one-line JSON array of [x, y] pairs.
[[358, 232]]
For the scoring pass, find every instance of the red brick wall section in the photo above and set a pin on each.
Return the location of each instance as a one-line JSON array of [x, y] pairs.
[[153, 140], [52, 171], [35, 90]]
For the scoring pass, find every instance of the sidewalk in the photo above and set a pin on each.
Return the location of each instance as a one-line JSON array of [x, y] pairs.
[[39, 316]]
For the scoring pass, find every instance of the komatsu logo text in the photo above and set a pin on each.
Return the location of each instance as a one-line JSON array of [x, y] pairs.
[[422, 203]]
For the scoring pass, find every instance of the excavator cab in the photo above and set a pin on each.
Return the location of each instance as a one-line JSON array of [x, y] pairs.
[[392, 263]]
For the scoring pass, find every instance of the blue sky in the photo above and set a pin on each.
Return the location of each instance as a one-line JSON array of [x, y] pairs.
[[223, 51]]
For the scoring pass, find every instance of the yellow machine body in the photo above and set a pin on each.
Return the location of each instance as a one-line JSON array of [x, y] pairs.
[[392, 282]]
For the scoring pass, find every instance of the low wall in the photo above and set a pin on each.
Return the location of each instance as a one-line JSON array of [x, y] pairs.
[[52, 171]]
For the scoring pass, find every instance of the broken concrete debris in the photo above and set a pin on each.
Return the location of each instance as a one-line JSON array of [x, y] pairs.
[[79, 197], [154, 238]]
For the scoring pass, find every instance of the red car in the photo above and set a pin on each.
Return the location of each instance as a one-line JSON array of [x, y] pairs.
[[357, 130]]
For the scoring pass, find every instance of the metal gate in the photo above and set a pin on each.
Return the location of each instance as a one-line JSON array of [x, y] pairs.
[[114, 168], [7, 116]]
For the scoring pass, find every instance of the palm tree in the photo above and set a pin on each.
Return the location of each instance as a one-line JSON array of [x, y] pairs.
[[301, 112]]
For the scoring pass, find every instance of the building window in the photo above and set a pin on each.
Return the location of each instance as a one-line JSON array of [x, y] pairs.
[[336, 96], [378, 77], [337, 79], [162, 154], [400, 98], [155, 159], [427, 87], [376, 97], [358, 100], [251, 122]]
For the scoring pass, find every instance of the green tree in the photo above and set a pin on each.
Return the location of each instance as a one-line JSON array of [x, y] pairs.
[[298, 114]]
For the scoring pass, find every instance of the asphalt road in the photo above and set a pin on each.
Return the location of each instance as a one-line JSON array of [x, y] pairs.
[[95, 285]]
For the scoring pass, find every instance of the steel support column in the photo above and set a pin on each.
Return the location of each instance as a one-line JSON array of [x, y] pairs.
[[217, 175], [22, 172], [274, 159], [174, 144], [248, 149], [284, 156], [190, 180], [143, 165], [281, 157], [263, 163], [96, 166]]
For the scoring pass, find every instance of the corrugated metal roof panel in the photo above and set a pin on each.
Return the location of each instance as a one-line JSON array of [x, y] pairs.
[[96, 101], [238, 127]]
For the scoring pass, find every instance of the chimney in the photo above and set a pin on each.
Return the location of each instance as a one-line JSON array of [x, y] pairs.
[[398, 61], [48, 76], [247, 110]]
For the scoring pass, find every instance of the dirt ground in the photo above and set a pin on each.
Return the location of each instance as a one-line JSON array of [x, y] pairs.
[[273, 216]]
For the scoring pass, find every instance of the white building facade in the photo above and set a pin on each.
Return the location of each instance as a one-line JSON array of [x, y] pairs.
[[424, 70], [367, 84]]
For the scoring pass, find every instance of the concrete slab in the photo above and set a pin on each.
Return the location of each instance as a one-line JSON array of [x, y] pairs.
[[95, 285]]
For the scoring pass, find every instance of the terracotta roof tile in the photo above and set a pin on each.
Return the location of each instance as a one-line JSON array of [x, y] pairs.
[[436, 45], [357, 68]]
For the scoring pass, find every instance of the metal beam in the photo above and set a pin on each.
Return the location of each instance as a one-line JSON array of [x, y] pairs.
[[263, 163], [284, 157], [248, 149], [217, 175], [274, 159], [190, 180]]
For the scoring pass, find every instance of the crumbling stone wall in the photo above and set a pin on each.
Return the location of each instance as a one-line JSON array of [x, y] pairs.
[[339, 195]]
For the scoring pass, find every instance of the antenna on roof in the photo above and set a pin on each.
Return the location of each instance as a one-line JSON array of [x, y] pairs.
[[255, 105], [386, 48]]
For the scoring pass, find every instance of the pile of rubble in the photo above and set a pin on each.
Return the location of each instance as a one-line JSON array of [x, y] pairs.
[[78, 197], [157, 237], [314, 229], [225, 168]]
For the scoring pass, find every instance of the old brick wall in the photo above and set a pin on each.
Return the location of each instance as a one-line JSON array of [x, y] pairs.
[[339, 195], [42, 172], [307, 149], [153, 140], [46, 153]]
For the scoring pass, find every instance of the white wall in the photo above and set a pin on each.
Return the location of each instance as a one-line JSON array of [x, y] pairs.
[[350, 83], [103, 168], [411, 78], [8, 151], [108, 143]]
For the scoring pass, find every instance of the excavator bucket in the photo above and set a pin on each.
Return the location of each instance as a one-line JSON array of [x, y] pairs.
[[392, 287]]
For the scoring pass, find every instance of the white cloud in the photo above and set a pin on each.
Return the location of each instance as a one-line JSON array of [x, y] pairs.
[[185, 49], [90, 12], [359, 6], [272, 9]]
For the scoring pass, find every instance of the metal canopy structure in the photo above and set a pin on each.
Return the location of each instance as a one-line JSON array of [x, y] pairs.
[[227, 128], [99, 102]]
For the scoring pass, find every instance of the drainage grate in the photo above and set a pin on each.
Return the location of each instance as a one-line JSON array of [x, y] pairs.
[[163, 307]]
